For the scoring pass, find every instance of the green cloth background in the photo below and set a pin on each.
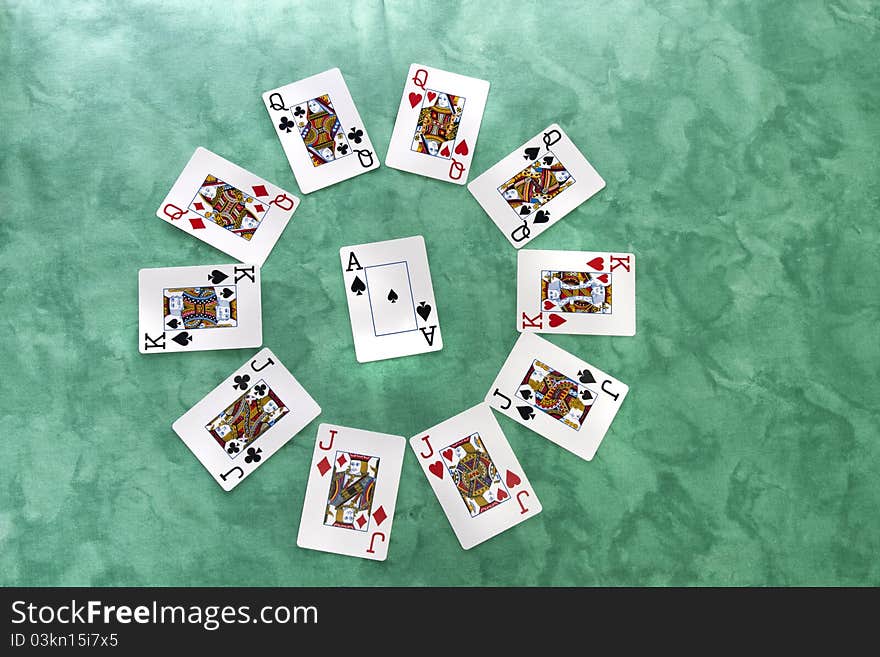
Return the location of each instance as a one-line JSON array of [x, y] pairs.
[[740, 143]]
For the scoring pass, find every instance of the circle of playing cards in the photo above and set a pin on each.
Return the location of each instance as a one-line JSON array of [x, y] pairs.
[[352, 486]]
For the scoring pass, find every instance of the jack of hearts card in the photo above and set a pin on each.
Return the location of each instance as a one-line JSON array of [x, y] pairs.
[[246, 419], [352, 492], [321, 131], [580, 292], [557, 395], [475, 475], [228, 207], [199, 308], [536, 186], [390, 299], [437, 124]]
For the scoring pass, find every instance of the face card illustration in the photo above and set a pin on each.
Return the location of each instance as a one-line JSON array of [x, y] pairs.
[[390, 299], [246, 419], [437, 124], [320, 130], [557, 395], [535, 186], [475, 475], [352, 492], [577, 292], [553, 393], [228, 207], [350, 500], [199, 308]]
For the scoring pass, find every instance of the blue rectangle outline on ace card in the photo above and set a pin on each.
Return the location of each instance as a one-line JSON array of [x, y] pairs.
[[411, 299]]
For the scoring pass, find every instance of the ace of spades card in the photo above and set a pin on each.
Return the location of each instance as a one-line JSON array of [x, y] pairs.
[[475, 475], [246, 419], [390, 299], [437, 124], [199, 308], [536, 186], [580, 292], [320, 130], [228, 207], [352, 492], [557, 395]]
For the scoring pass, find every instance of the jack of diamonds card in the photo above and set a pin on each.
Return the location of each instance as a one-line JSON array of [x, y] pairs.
[[390, 299], [557, 395], [246, 419], [352, 492], [199, 308], [578, 292], [475, 475], [536, 186], [228, 207], [437, 124], [320, 130]]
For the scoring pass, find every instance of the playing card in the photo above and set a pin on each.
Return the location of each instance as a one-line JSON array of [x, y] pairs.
[[475, 475], [246, 419], [320, 130], [557, 395], [437, 124], [582, 292], [536, 186], [228, 207], [199, 308], [352, 492], [390, 299]]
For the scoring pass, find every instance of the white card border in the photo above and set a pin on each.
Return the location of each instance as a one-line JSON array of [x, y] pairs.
[[240, 337], [310, 178], [621, 321], [471, 531], [207, 409], [313, 534], [585, 445], [587, 184], [369, 349], [400, 156], [255, 251]]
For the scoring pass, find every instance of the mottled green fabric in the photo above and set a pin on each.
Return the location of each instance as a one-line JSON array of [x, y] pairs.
[[739, 141]]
